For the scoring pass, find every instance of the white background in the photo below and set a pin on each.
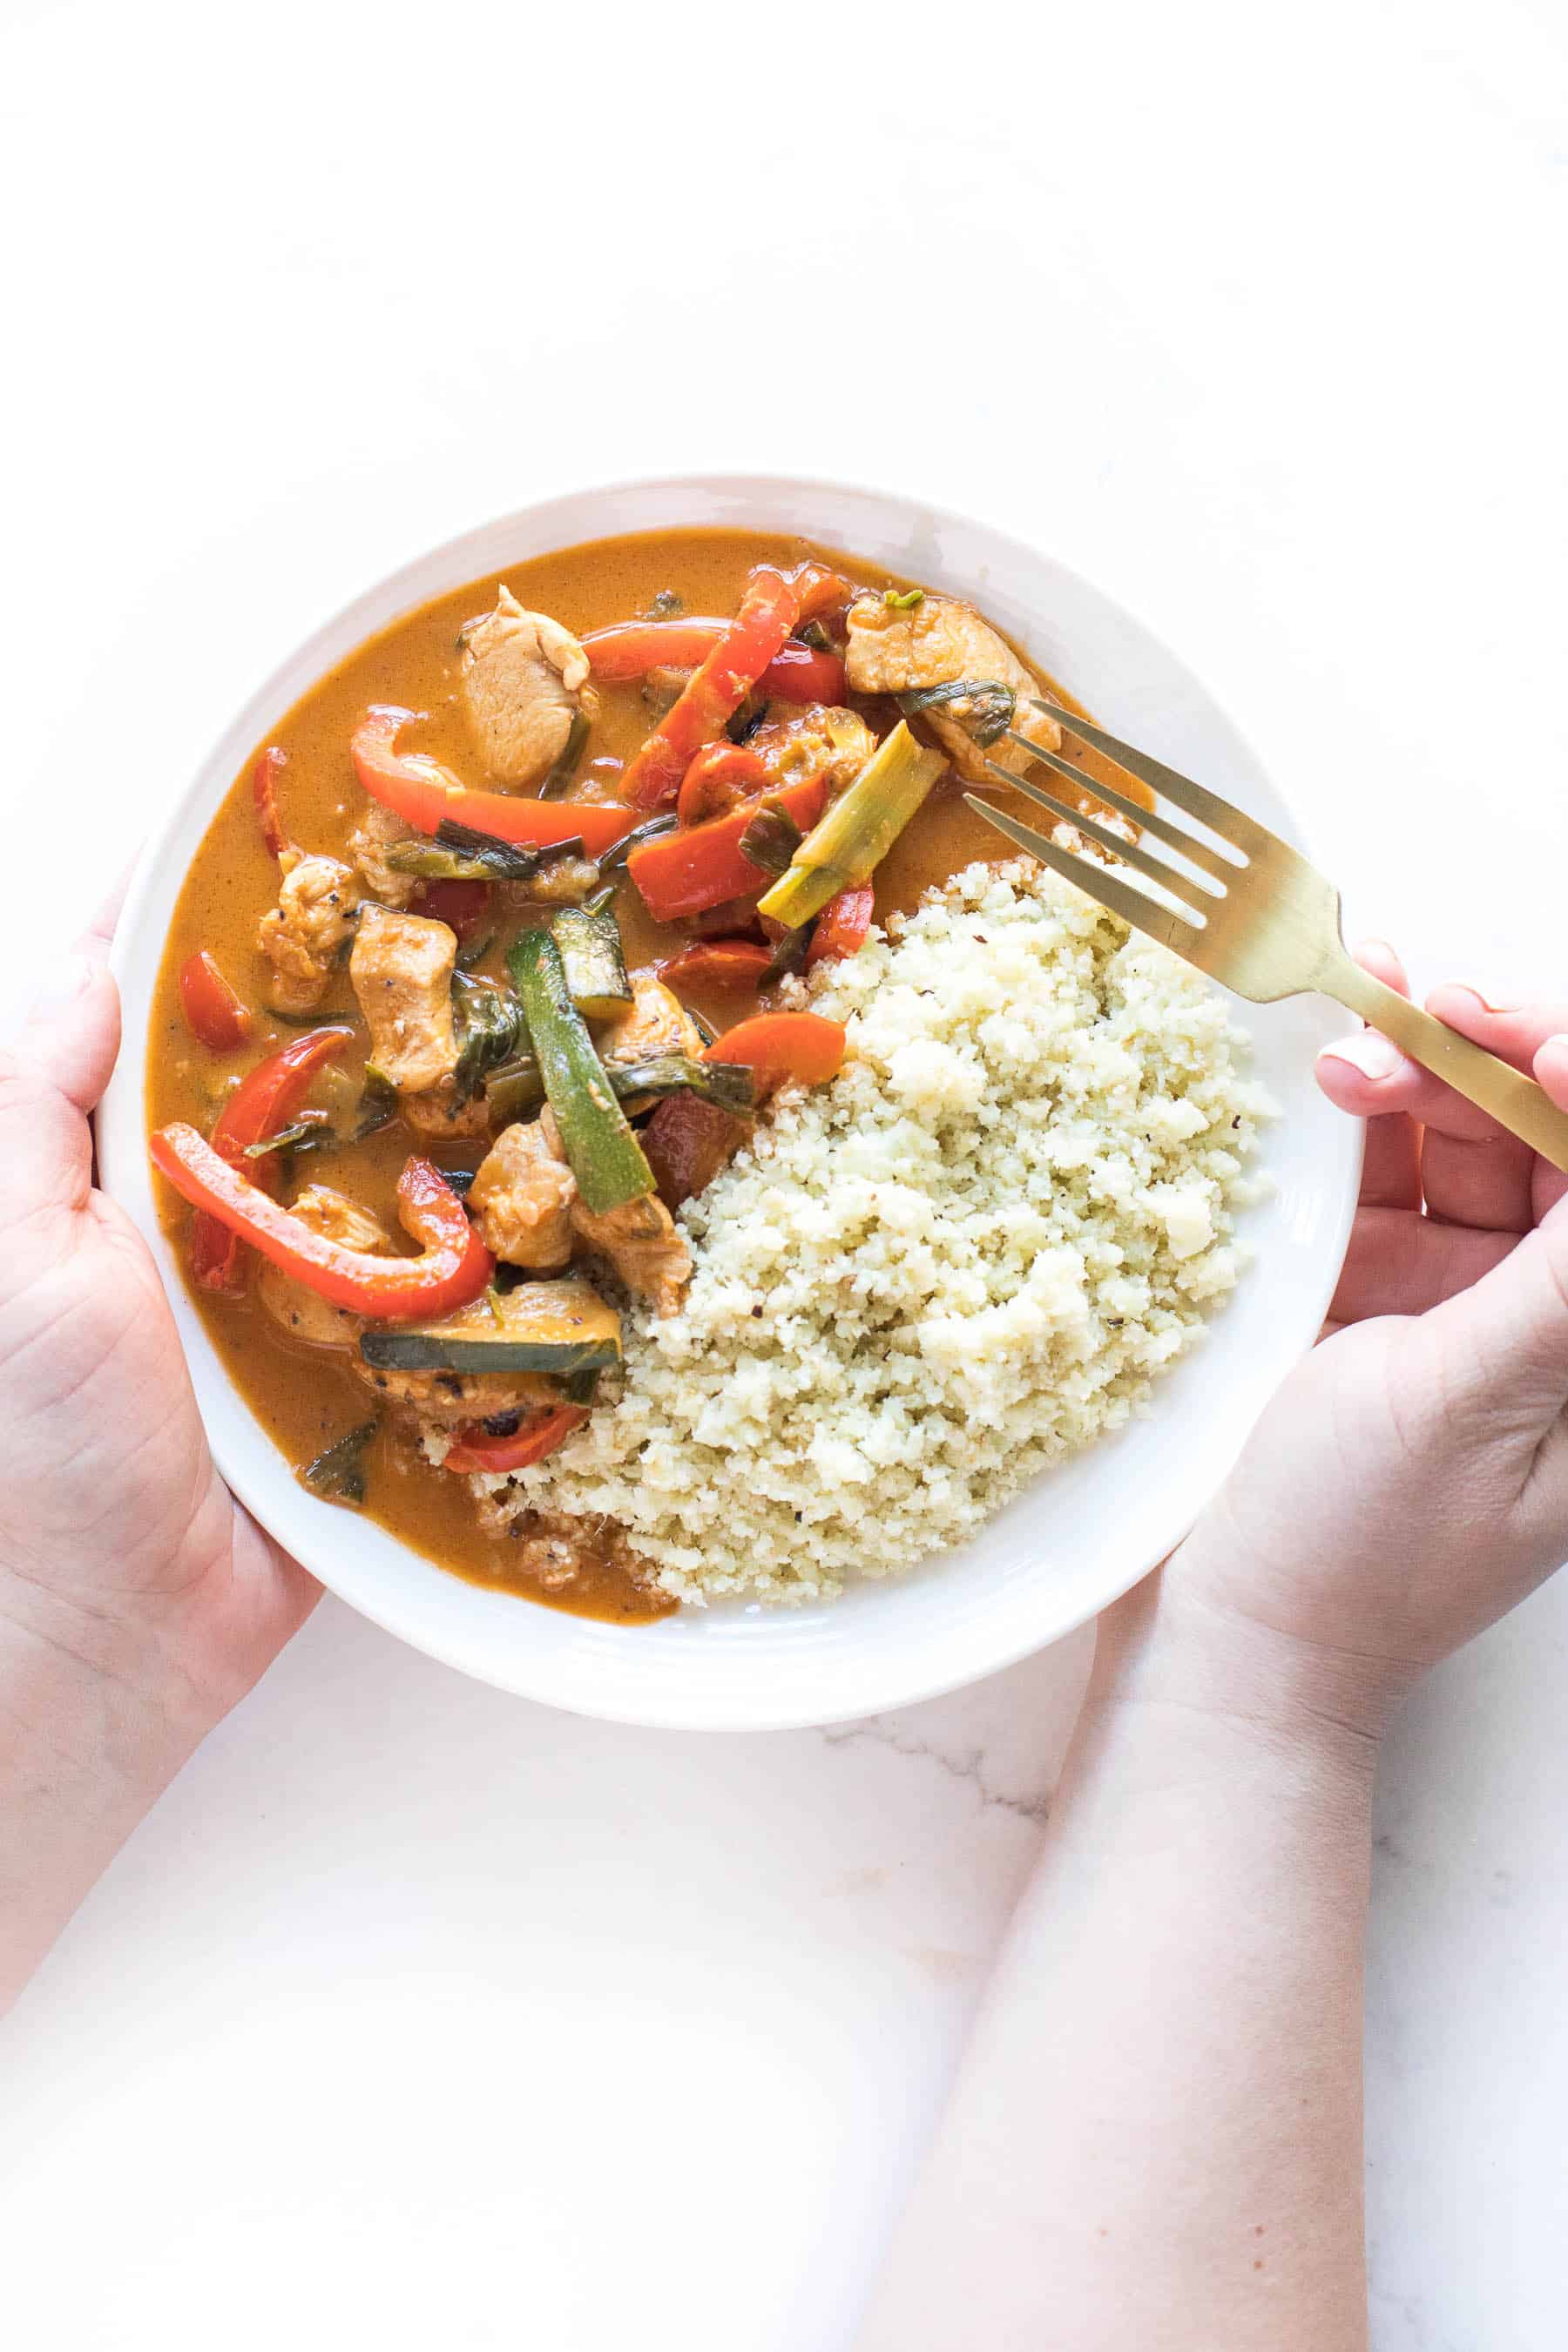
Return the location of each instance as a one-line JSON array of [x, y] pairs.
[[418, 2013]]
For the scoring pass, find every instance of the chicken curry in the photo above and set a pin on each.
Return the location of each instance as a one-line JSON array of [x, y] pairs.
[[490, 948]]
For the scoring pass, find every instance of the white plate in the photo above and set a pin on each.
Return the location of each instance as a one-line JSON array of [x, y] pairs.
[[1080, 1535]]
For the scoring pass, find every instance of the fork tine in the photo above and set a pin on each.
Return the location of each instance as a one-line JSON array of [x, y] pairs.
[[1219, 815], [1134, 907], [1224, 870], [1127, 853]]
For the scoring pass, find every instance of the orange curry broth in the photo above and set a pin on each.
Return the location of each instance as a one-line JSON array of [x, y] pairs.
[[304, 1397]]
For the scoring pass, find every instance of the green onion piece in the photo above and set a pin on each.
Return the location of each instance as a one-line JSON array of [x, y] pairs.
[[772, 839], [601, 899], [787, 957], [654, 830], [491, 1029], [747, 720], [378, 1105], [849, 842], [298, 1137], [903, 599], [604, 1154], [990, 717], [474, 951], [814, 634], [338, 1474], [664, 606], [566, 767], [730, 1085]]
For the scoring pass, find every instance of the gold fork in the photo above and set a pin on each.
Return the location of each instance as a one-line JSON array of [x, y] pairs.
[[1253, 915]]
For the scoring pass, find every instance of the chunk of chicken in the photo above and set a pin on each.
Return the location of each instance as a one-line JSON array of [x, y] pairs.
[[301, 1311], [935, 643], [402, 973], [442, 1399], [440, 1115], [655, 1023], [639, 1240], [317, 899], [523, 1193], [524, 679], [371, 838]]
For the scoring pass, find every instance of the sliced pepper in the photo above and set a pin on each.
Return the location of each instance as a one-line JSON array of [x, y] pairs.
[[456, 1265], [702, 865], [259, 1106], [769, 610], [796, 673], [214, 1013], [718, 963], [843, 926], [461, 906], [422, 792], [720, 775], [264, 789], [471, 1450], [780, 1045]]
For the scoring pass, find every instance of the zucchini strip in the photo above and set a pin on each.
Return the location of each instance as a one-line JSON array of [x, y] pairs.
[[429, 1351], [604, 1154], [849, 842]]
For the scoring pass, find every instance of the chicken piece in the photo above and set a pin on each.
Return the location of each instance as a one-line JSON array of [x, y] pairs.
[[369, 842], [936, 642], [440, 1115], [524, 681], [444, 1399], [302, 1311], [639, 1240], [653, 1023], [317, 900], [822, 739], [402, 973], [564, 882], [523, 1193]]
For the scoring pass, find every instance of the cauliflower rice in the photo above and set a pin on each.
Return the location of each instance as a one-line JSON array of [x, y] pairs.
[[963, 1260]]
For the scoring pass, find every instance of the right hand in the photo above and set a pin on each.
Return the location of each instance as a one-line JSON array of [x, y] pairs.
[[1408, 1484]]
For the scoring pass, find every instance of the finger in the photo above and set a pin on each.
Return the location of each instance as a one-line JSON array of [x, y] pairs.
[[1391, 1172], [1473, 1181], [1398, 1264], [54, 1073], [1508, 1337], [98, 936]]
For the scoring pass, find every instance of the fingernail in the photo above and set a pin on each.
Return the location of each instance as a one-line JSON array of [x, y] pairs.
[[1373, 945], [1369, 1053], [1559, 1041], [1491, 999]]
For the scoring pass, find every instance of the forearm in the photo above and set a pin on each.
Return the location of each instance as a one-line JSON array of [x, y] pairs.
[[1156, 2141]]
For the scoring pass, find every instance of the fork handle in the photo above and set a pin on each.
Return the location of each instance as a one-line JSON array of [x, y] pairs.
[[1514, 1101]]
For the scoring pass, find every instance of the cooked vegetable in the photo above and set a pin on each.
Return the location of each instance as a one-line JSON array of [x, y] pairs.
[[461, 906], [456, 1265], [377, 1104], [314, 1134], [654, 830], [591, 957], [604, 1154], [491, 1029], [992, 704], [472, 1450], [780, 1045], [703, 866], [768, 610], [772, 838], [687, 1142], [259, 1106], [717, 963], [790, 951], [264, 791], [720, 776], [425, 794], [460, 853], [338, 1474], [903, 599], [857, 831], [560, 1327], [214, 1013], [843, 926], [514, 1092], [747, 720], [731, 1087], [566, 767], [799, 673]]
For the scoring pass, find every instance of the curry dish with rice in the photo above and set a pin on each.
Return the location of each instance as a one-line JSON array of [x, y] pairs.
[[504, 941]]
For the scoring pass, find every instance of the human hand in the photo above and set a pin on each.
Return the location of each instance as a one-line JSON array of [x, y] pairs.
[[1409, 1483], [138, 1602]]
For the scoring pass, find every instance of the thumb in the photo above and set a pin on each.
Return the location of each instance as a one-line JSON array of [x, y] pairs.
[[51, 1079]]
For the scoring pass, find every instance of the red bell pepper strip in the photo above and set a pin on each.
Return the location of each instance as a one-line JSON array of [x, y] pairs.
[[471, 1450], [261, 1104], [718, 963], [780, 1045], [843, 926], [461, 906], [720, 775], [455, 1267], [795, 674], [423, 792], [714, 693], [214, 1013], [264, 787], [701, 865]]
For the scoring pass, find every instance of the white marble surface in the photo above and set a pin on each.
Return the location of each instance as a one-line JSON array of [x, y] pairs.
[[416, 2014]]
